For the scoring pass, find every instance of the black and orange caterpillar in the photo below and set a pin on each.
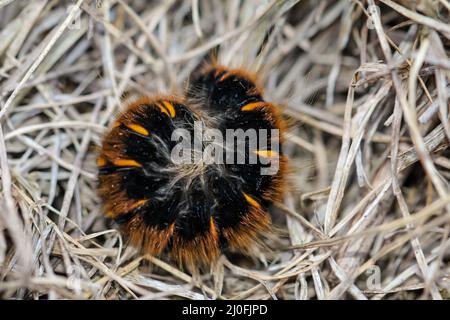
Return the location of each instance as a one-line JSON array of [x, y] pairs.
[[192, 212]]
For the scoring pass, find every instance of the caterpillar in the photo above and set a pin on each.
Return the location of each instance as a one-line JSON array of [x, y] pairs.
[[195, 210]]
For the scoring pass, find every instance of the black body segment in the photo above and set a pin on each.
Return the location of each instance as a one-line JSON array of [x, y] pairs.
[[223, 90]]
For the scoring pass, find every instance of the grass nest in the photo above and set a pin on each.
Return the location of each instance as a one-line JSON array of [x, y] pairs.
[[364, 83]]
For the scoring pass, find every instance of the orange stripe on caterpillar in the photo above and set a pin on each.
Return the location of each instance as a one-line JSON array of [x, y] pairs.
[[162, 108], [138, 204], [213, 228], [126, 163], [267, 153], [254, 105], [101, 161], [226, 75], [137, 128], [252, 201], [170, 108]]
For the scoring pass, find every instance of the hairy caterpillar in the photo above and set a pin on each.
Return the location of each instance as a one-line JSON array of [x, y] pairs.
[[194, 211]]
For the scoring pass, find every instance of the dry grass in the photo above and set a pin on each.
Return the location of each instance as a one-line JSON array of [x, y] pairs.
[[367, 91]]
